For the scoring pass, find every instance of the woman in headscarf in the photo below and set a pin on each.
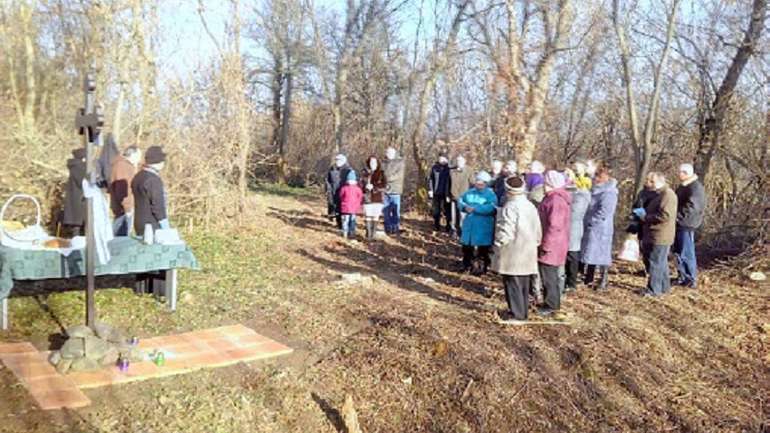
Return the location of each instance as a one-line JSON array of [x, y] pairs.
[[480, 206], [374, 185], [599, 223], [536, 182]]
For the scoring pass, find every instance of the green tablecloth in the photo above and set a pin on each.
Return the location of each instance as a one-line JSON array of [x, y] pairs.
[[129, 256]]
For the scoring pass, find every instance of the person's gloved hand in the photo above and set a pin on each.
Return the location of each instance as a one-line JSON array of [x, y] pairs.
[[164, 224], [639, 212], [430, 194], [369, 187]]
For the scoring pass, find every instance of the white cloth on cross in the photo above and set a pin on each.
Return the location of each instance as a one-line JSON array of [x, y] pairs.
[[101, 224]]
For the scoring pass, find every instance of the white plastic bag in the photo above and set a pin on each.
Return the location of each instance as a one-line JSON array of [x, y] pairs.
[[630, 251]]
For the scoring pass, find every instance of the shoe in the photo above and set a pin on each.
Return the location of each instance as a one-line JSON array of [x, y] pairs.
[[506, 318], [602, 289], [649, 294], [568, 290], [545, 312], [684, 283]]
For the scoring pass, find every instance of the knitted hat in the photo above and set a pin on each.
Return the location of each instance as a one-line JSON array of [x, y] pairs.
[[534, 180], [511, 167], [340, 160], [483, 176], [154, 155], [515, 185], [687, 169], [352, 176], [536, 167], [554, 179]]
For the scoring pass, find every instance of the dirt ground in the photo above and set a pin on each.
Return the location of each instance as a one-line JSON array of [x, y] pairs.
[[418, 349]]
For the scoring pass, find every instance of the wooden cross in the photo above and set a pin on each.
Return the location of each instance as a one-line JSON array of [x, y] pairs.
[[89, 122]]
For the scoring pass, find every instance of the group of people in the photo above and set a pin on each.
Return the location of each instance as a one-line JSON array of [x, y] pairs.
[[544, 228], [545, 231], [376, 190], [136, 191]]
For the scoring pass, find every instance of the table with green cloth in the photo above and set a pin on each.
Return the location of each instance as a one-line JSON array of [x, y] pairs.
[[128, 256]]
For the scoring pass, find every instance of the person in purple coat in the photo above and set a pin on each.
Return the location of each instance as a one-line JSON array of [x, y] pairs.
[[555, 220], [599, 222]]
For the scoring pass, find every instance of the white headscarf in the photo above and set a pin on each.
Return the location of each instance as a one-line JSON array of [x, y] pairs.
[[340, 160]]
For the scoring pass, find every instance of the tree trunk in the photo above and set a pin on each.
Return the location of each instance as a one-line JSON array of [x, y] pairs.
[[285, 125]]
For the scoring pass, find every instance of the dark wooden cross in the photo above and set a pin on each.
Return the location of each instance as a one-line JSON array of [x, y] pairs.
[[89, 122]]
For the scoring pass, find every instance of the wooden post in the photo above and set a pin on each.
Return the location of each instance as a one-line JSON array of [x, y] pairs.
[[89, 122]]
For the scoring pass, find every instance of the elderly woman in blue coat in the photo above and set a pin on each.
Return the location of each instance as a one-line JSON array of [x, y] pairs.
[[599, 224], [480, 206]]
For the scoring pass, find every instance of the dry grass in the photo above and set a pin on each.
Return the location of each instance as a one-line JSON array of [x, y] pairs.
[[419, 350]]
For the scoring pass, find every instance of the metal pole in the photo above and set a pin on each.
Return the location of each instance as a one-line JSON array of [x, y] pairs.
[[88, 136]]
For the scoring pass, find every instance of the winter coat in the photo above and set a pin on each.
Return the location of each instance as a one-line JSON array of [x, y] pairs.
[[691, 206], [581, 198], [394, 174], [377, 179], [478, 226], [438, 180], [599, 224], [351, 198], [74, 202], [460, 181], [517, 236], [121, 197], [554, 218], [659, 223], [498, 185], [104, 163], [149, 200], [335, 178], [644, 198]]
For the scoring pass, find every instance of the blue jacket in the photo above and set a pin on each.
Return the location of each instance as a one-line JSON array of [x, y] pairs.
[[600, 224], [479, 226]]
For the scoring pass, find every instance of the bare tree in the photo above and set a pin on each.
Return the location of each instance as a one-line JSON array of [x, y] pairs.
[[711, 126], [642, 140], [526, 92]]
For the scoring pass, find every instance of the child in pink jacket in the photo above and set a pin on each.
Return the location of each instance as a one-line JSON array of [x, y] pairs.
[[351, 200]]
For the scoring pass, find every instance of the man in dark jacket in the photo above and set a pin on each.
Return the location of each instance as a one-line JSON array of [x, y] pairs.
[[691, 197], [394, 174], [658, 229], [335, 179], [74, 202], [149, 193], [439, 185]]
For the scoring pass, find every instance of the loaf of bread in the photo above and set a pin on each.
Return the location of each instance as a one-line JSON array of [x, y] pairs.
[[57, 243]]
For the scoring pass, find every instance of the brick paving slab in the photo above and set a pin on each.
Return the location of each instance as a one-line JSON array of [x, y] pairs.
[[49, 389], [6, 348], [62, 399], [184, 353]]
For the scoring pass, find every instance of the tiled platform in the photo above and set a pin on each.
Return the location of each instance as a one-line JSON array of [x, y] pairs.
[[186, 352], [49, 389]]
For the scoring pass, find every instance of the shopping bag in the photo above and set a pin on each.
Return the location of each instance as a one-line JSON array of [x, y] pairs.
[[630, 250]]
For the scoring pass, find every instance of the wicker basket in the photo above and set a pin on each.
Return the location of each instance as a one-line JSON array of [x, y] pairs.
[[29, 237]]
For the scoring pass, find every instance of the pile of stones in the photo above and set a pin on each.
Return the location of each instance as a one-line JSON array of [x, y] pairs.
[[89, 349]]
